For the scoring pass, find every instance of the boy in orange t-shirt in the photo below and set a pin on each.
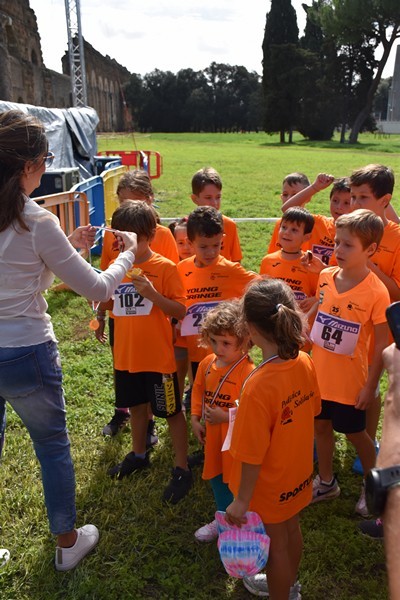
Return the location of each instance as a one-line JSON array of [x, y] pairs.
[[207, 191], [207, 276], [351, 305], [286, 264], [145, 370], [273, 434], [215, 390], [133, 185]]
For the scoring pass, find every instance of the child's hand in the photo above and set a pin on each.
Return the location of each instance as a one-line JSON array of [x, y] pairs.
[[234, 514], [215, 415], [322, 181], [199, 430], [365, 397], [307, 303], [314, 265], [143, 286], [99, 332]]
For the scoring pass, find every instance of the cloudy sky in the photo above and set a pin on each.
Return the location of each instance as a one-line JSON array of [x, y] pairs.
[[165, 34]]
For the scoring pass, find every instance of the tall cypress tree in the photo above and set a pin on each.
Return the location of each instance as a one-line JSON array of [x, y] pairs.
[[281, 66]]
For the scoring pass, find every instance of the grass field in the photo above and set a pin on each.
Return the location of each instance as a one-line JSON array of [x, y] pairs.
[[147, 550]]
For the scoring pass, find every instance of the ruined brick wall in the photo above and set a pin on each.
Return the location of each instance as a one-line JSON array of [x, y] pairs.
[[25, 79]]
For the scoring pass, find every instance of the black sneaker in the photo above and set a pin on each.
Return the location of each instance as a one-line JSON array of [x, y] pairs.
[[179, 486], [373, 528], [130, 464], [196, 459], [119, 420], [151, 436]]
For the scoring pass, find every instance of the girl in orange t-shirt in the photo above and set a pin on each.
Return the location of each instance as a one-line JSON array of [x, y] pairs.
[[273, 435], [216, 389]]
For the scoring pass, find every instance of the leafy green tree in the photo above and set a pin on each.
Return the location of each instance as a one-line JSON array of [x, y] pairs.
[[282, 64], [381, 99], [363, 24]]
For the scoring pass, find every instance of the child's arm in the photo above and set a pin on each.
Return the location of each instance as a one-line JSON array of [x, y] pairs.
[[393, 288], [237, 509], [321, 182], [198, 429], [172, 308], [391, 214], [367, 394]]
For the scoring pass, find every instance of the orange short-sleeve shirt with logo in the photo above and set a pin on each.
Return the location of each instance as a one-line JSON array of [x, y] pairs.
[[230, 248], [204, 288], [143, 337], [341, 334], [206, 383], [298, 277], [274, 428]]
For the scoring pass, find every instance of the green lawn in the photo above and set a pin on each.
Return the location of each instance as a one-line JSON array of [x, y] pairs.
[[147, 550]]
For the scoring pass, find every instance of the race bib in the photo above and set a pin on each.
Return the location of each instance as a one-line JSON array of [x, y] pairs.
[[194, 317], [129, 303], [323, 252], [334, 334]]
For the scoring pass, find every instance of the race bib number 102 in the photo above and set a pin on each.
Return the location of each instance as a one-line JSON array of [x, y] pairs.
[[129, 303]]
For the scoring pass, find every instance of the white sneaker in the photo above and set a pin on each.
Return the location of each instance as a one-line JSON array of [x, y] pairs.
[[68, 558], [258, 586], [325, 491], [4, 557], [207, 533], [361, 506]]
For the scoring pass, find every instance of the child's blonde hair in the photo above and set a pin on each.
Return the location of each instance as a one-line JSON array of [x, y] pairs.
[[224, 319], [363, 224], [137, 182], [270, 306]]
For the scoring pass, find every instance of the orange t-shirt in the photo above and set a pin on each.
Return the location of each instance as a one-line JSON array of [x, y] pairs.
[[274, 428], [341, 334], [302, 282], [143, 337], [204, 288], [321, 242], [230, 248], [163, 243], [387, 256], [205, 385]]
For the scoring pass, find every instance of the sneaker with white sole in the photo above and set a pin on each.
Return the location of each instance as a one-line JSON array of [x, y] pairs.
[[207, 533], [361, 506], [4, 557], [68, 558], [119, 419], [325, 491], [373, 528], [258, 586]]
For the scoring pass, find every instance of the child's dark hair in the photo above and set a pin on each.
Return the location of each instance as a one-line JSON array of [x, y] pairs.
[[270, 306], [340, 185], [224, 319], [379, 178], [294, 178], [174, 224], [204, 177], [204, 221], [299, 215], [136, 216], [136, 181], [363, 224]]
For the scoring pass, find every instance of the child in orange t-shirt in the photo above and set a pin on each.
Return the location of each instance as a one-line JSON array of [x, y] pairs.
[[133, 185], [273, 434], [207, 276], [144, 361], [207, 191], [351, 306], [215, 390]]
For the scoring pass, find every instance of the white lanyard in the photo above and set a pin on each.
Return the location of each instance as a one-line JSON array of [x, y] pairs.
[[222, 380]]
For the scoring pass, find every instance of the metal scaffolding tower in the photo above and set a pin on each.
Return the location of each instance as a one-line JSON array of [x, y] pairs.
[[76, 52]]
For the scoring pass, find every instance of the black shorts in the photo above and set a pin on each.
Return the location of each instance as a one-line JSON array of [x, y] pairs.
[[345, 417], [158, 390]]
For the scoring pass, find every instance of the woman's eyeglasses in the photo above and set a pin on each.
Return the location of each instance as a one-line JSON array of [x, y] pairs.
[[48, 159]]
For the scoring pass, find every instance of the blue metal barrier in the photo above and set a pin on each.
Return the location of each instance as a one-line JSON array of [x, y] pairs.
[[94, 190]]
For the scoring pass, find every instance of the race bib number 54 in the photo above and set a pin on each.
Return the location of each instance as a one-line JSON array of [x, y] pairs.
[[334, 334], [129, 303]]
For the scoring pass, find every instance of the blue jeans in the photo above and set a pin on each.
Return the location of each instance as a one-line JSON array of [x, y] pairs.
[[31, 381]]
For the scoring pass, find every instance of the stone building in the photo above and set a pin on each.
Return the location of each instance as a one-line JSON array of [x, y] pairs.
[[25, 79]]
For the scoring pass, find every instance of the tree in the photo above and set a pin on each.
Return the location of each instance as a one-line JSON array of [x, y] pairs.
[[366, 23], [381, 99], [281, 65]]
